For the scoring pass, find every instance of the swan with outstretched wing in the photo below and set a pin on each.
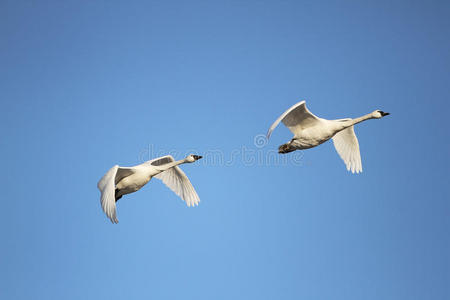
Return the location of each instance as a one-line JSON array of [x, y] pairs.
[[310, 131], [119, 181]]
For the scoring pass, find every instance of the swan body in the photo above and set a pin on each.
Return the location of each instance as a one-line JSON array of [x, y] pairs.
[[120, 181], [310, 131]]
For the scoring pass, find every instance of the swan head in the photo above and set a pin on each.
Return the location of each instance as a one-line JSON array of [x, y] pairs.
[[192, 158], [378, 114], [286, 148]]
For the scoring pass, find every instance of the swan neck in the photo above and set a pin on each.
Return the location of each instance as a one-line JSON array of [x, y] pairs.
[[339, 126], [172, 164], [354, 121], [361, 119]]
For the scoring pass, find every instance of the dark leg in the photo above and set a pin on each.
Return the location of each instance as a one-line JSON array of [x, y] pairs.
[[116, 192]]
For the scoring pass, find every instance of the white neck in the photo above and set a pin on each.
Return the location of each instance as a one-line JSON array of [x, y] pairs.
[[351, 122], [363, 118], [172, 164]]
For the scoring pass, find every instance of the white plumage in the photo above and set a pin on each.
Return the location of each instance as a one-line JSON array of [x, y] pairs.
[[119, 181], [347, 146], [310, 131]]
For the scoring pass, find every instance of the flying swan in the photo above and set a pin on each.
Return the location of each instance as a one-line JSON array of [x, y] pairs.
[[310, 131], [119, 181]]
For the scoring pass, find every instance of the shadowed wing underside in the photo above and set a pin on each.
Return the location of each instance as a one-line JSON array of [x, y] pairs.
[[107, 187], [296, 118]]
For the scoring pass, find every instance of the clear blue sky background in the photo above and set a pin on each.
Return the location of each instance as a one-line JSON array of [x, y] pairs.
[[85, 85]]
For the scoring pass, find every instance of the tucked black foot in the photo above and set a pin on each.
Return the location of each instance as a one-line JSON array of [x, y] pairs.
[[286, 148], [117, 197]]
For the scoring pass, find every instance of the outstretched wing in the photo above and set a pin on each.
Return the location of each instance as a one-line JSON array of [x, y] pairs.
[[175, 179], [347, 147], [296, 118], [107, 187]]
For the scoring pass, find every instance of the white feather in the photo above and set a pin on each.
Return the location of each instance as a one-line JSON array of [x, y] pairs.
[[296, 118], [347, 146]]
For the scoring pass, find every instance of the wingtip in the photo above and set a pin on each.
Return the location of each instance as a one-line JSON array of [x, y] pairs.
[[357, 171]]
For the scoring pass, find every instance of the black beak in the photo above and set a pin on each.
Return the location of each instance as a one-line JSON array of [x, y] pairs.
[[384, 113], [197, 157]]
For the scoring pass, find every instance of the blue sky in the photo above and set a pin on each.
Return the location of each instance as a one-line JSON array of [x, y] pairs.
[[85, 85]]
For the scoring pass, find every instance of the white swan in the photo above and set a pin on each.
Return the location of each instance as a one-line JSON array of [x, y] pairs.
[[119, 181], [310, 131]]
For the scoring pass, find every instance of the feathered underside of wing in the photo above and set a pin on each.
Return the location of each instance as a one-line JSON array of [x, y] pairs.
[[106, 185], [296, 118], [175, 179], [347, 146], [123, 172]]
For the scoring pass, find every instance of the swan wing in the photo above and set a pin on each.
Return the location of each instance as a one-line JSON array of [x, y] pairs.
[[175, 179], [347, 146], [123, 172], [161, 160], [158, 161], [107, 187], [296, 118]]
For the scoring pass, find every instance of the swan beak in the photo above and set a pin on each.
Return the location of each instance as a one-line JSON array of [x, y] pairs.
[[197, 157], [384, 113]]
